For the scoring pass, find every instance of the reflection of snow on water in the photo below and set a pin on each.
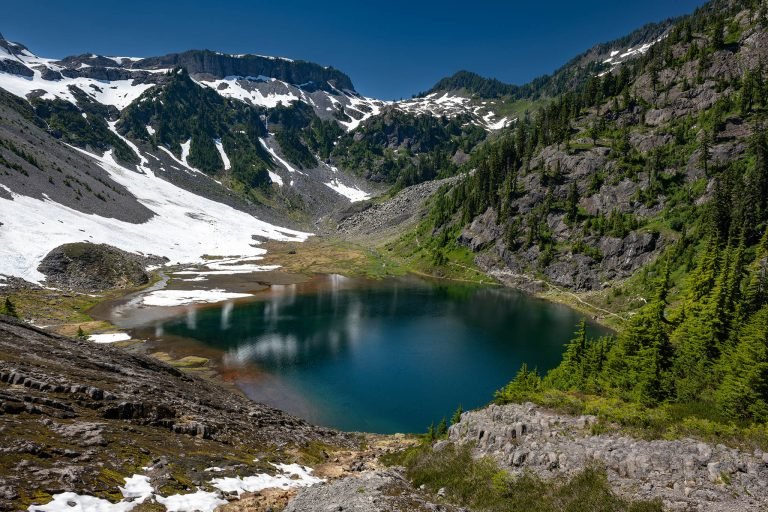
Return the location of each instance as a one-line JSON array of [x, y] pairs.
[[226, 315], [191, 318]]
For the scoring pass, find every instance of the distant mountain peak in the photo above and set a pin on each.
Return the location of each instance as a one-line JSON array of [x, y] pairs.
[[473, 84]]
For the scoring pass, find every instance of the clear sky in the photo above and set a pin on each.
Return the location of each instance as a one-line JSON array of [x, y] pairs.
[[391, 49]]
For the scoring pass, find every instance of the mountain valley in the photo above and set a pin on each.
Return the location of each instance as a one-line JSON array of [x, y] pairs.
[[630, 185]]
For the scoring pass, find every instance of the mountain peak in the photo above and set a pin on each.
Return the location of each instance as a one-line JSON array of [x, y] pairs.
[[474, 84]]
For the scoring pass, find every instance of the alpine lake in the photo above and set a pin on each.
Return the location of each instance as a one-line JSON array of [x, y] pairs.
[[383, 356]]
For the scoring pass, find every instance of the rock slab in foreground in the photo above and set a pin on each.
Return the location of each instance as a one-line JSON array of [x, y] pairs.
[[372, 491], [686, 474]]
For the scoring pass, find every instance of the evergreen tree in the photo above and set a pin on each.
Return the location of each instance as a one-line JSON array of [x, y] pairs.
[[744, 390], [442, 429], [639, 363], [431, 432], [10, 308], [456, 418], [570, 373], [525, 382], [572, 208], [705, 146], [718, 34]]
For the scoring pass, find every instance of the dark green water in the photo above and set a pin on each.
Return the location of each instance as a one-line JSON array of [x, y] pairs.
[[379, 356]]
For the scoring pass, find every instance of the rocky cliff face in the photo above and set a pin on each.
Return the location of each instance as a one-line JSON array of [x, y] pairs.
[[636, 165], [219, 65], [687, 475]]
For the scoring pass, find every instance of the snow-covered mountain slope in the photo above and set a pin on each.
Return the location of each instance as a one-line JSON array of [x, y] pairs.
[[452, 104], [27, 75], [52, 193], [184, 228], [118, 81], [257, 80], [618, 57]]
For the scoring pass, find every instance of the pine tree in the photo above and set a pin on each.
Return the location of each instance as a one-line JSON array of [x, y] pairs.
[[705, 145], [525, 382], [431, 432], [456, 418], [572, 208], [747, 94], [569, 375], [718, 34], [442, 429], [744, 390], [755, 294], [640, 361], [10, 308]]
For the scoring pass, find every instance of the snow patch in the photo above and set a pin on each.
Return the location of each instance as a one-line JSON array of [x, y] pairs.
[[228, 266], [200, 501], [237, 87], [138, 489], [353, 194], [71, 502], [183, 164], [112, 337], [186, 297], [119, 93], [143, 162], [292, 475], [276, 178], [185, 147], [282, 162], [224, 157]]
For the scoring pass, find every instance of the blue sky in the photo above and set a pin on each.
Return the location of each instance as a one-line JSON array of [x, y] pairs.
[[390, 49]]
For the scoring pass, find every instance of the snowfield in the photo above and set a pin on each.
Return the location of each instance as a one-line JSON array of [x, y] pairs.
[[184, 229]]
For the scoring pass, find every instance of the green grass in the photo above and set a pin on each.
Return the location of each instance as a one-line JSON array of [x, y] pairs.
[[419, 252], [483, 486]]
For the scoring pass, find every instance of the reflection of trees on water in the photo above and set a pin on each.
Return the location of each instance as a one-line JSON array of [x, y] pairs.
[[286, 328], [295, 326]]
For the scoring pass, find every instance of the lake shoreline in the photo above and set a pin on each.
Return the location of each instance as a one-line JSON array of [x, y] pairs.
[[193, 332]]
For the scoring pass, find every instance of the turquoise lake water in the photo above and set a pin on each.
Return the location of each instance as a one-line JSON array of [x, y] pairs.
[[376, 356]]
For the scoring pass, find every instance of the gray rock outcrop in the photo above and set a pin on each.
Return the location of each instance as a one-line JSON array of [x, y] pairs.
[[95, 267], [686, 474]]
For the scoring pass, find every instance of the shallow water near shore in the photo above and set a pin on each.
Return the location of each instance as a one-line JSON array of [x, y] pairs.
[[380, 356]]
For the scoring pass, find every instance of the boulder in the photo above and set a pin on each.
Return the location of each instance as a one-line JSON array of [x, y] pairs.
[[91, 267]]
